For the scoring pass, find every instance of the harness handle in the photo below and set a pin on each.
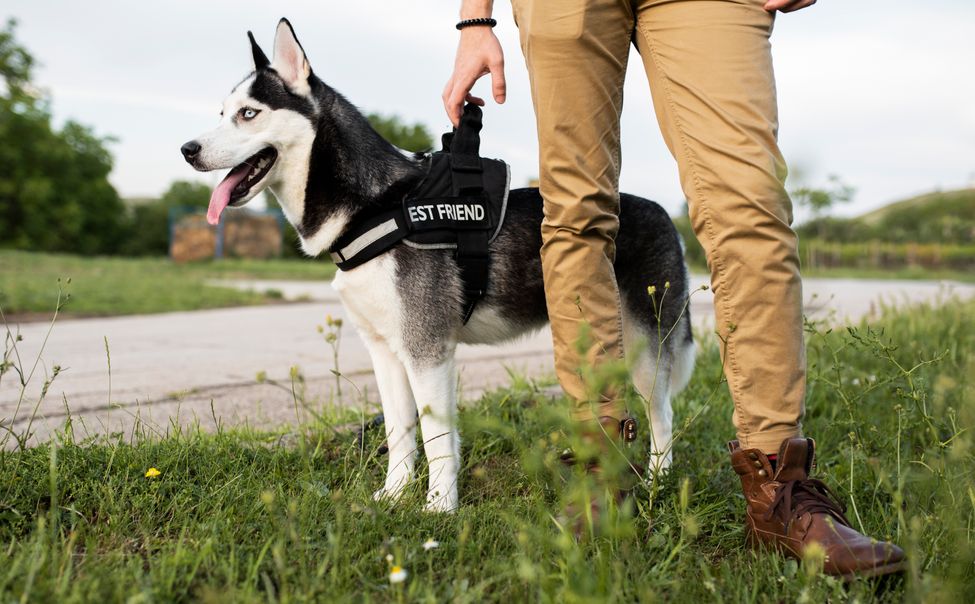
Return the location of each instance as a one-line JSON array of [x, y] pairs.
[[465, 142]]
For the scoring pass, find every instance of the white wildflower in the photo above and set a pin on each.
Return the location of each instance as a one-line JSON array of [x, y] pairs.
[[397, 574]]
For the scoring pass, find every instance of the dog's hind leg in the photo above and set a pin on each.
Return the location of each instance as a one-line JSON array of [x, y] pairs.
[[399, 414], [652, 379], [435, 388]]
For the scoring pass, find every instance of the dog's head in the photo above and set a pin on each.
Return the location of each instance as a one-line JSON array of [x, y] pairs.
[[266, 125]]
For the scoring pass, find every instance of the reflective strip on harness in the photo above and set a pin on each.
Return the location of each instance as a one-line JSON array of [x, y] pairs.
[[365, 240]]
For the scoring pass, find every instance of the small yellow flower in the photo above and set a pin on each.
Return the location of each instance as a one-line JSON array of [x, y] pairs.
[[651, 290], [152, 473], [397, 574]]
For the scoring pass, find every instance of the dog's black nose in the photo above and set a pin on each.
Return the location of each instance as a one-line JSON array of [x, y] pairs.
[[190, 150]]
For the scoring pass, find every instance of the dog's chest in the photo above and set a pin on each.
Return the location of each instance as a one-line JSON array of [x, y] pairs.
[[369, 295]]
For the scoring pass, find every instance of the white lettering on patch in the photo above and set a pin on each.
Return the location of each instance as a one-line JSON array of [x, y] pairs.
[[447, 211]]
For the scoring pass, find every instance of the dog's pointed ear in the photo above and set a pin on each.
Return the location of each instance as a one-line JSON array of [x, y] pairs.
[[289, 59], [260, 59]]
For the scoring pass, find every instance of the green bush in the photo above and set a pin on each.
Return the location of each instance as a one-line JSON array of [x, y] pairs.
[[943, 217], [885, 255], [54, 189]]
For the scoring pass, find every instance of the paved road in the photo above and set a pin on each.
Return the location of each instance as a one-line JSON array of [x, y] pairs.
[[203, 366]]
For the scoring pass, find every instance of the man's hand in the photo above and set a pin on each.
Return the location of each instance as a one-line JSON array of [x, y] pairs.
[[787, 6], [478, 53]]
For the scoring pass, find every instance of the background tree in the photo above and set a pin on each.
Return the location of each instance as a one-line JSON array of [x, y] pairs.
[[411, 137], [54, 189], [820, 200]]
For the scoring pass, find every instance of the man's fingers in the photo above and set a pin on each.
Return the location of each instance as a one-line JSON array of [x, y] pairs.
[[475, 99], [455, 104], [498, 86], [798, 5], [787, 6], [446, 97]]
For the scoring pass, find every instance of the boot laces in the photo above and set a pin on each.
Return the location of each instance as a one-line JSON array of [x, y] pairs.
[[797, 497]]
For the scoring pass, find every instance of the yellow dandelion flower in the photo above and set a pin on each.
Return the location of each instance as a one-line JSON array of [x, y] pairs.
[[152, 473]]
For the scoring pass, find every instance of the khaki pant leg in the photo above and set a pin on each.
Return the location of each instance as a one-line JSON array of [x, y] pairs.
[[710, 70], [576, 53]]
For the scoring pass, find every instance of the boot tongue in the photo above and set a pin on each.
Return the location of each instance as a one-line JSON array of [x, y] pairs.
[[795, 459]]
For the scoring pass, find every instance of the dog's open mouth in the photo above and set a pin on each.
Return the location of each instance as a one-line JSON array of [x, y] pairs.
[[238, 183]]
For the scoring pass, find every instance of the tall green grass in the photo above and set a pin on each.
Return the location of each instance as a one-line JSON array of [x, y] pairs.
[[121, 286], [247, 516]]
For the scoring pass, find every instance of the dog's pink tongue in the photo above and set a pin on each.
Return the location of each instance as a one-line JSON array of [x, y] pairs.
[[221, 195]]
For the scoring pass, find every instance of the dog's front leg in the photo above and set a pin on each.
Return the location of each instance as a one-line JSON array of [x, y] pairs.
[[435, 388], [399, 414]]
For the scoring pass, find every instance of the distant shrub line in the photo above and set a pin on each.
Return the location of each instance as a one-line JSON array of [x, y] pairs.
[[818, 253]]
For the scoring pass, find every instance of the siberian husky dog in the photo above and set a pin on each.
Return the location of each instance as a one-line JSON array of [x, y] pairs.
[[285, 130]]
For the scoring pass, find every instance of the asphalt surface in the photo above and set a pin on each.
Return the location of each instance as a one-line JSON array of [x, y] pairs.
[[153, 372]]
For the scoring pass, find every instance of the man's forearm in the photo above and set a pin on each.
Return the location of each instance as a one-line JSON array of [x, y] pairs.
[[478, 53], [473, 9]]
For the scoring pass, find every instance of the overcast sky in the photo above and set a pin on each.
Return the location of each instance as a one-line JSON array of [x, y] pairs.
[[880, 93]]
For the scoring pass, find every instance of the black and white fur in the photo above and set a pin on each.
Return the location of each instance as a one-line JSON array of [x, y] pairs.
[[406, 304]]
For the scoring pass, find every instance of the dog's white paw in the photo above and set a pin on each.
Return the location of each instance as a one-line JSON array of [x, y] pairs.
[[442, 502], [659, 464], [388, 494]]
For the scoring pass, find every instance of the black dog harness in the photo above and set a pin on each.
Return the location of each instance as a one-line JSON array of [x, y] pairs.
[[459, 205]]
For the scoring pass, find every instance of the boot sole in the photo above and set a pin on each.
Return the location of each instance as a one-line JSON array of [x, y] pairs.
[[877, 571], [868, 573]]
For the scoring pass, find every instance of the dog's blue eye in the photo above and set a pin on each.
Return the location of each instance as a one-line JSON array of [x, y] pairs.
[[248, 113]]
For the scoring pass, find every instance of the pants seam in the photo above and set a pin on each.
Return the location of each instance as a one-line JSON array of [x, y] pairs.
[[709, 229], [617, 152]]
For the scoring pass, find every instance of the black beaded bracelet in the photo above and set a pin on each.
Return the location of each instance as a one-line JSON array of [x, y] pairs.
[[479, 21]]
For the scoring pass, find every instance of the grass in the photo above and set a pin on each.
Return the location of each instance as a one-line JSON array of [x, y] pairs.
[[249, 516], [103, 286], [901, 274]]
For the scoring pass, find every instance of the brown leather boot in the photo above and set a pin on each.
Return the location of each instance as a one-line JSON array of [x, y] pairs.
[[602, 432], [608, 430], [788, 511]]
